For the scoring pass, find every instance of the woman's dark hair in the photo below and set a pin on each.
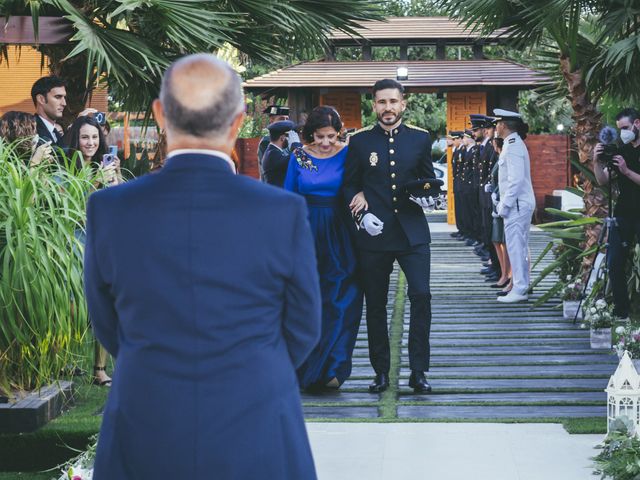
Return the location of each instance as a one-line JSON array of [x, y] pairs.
[[72, 140], [498, 143], [19, 126], [320, 117]]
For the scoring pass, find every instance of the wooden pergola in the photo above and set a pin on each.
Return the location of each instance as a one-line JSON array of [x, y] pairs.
[[471, 86]]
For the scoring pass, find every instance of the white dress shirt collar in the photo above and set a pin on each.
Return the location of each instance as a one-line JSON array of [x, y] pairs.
[[50, 127]]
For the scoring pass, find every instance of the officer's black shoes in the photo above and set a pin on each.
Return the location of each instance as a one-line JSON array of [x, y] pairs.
[[469, 242], [380, 383], [492, 278], [487, 271], [418, 382]]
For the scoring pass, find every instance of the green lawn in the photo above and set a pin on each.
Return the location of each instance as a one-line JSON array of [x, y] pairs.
[[54, 443]]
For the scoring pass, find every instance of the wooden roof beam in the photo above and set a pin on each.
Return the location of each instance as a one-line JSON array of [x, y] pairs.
[[18, 30]]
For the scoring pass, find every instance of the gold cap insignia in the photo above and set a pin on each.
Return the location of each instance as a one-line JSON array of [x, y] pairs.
[[373, 159], [427, 186]]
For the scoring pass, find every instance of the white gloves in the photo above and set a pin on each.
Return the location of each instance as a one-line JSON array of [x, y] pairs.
[[424, 202], [372, 224], [494, 214], [293, 137], [494, 199], [488, 188], [503, 210]]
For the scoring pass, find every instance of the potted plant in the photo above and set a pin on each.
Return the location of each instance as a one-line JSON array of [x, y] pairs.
[[599, 316], [571, 296], [629, 340]]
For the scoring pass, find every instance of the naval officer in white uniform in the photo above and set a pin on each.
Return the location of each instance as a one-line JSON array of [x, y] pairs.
[[517, 200]]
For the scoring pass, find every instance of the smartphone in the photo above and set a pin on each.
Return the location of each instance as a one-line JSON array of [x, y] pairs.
[[109, 158]]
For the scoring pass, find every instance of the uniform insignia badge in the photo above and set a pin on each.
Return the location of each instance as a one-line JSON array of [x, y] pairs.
[[427, 186], [373, 159], [512, 140]]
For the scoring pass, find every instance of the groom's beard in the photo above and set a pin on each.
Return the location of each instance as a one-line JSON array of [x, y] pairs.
[[391, 120]]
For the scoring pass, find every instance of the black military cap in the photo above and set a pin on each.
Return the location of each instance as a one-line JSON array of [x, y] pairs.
[[455, 134], [282, 127], [276, 110], [480, 121], [468, 133], [424, 187]]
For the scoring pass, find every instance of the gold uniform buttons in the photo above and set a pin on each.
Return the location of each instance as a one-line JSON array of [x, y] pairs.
[[395, 210], [391, 140], [393, 187], [395, 199], [393, 175], [393, 163], [392, 151]]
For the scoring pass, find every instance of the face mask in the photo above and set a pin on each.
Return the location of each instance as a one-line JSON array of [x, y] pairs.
[[628, 136]]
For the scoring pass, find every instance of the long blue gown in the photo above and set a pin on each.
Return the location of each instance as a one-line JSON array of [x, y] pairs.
[[320, 182]]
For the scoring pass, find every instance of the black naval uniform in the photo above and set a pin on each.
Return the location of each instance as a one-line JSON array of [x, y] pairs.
[[456, 168], [379, 163], [274, 165], [466, 165]]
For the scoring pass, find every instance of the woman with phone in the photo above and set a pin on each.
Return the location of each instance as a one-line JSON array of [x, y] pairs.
[[21, 128], [86, 138]]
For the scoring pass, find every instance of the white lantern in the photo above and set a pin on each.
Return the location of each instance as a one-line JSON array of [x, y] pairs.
[[623, 393]]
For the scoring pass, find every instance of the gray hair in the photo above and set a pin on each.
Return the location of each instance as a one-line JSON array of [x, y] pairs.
[[201, 95]]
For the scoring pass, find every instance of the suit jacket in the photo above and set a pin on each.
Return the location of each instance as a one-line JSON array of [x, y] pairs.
[[380, 163], [275, 163], [45, 134], [207, 325]]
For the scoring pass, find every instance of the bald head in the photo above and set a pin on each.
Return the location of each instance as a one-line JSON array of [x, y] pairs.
[[201, 96]]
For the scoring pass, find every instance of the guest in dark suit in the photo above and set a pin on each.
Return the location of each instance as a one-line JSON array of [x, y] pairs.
[[277, 113], [49, 95], [276, 157], [381, 159], [207, 325]]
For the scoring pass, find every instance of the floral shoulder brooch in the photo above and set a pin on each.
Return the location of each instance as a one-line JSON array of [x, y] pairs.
[[304, 160]]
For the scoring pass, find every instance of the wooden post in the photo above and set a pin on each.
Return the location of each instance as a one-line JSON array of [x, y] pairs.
[[404, 50], [366, 52], [127, 148], [441, 50], [478, 54]]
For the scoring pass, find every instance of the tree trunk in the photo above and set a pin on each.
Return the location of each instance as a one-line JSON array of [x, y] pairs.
[[587, 125]]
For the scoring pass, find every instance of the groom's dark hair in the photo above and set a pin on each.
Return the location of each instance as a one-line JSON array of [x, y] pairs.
[[386, 84]]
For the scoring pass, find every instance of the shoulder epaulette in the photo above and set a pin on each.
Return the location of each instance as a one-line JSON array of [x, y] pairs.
[[416, 128], [512, 140], [360, 130]]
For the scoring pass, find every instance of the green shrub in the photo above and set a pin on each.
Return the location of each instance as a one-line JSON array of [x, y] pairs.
[[43, 315]]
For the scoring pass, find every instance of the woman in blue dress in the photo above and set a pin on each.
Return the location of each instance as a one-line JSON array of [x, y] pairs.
[[316, 172]]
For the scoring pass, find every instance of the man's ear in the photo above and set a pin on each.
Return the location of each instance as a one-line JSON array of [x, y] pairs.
[[40, 99], [158, 113]]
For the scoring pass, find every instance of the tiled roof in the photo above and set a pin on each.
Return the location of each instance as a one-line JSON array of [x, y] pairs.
[[435, 73]]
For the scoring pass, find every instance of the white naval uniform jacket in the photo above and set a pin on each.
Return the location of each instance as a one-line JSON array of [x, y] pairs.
[[514, 176]]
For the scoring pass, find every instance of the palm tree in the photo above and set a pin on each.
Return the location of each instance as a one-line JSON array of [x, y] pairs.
[[582, 42], [128, 44]]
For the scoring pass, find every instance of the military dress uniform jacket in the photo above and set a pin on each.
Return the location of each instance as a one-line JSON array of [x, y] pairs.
[[380, 163], [515, 185], [275, 162]]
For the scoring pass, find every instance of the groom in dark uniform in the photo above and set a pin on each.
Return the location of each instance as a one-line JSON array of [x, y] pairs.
[[381, 160]]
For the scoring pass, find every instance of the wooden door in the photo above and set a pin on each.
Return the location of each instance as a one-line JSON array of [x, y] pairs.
[[348, 105], [459, 106]]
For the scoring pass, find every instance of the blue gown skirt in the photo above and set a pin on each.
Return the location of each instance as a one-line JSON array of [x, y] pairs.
[[341, 294]]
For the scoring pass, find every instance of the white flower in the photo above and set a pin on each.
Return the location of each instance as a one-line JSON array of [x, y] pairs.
[[568, 278], [601, 303], [593, 310], [583, 325], [620, 330]]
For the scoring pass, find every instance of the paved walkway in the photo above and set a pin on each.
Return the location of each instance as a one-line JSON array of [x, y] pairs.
[[489, 361], [446, 451]]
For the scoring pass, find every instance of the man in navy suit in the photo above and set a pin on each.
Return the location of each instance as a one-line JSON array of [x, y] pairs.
[[49, 95], [207, 325]]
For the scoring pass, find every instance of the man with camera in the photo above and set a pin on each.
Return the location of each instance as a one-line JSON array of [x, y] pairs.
[[622, 164]]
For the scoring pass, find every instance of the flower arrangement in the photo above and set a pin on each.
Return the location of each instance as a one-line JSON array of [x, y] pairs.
[[81, 467], [599, 314], [629, 340], [572, 290], [304, 160]]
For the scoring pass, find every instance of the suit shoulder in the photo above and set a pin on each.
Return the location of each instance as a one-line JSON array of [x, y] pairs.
[[361, 130], [418, 129]]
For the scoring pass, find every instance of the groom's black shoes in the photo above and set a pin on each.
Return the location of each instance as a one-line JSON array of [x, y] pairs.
[[418, 382], [380, 383]]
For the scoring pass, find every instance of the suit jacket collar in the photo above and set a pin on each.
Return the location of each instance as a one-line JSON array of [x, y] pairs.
[[198, 159], [399, 129], [43, 130]]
